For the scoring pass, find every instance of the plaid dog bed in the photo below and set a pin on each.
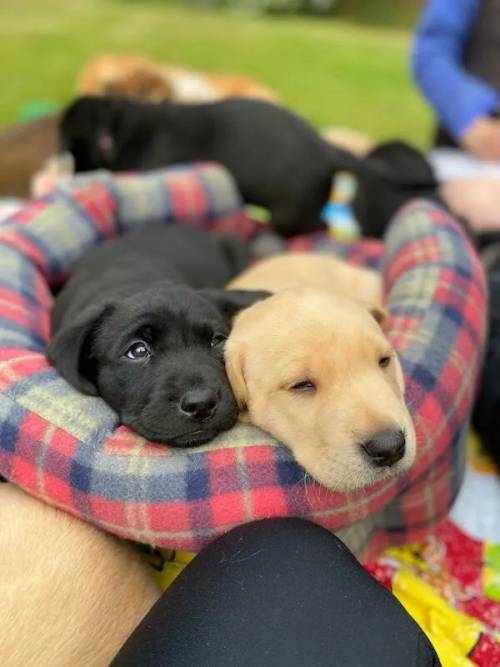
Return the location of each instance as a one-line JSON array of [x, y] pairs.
[[68, 450]]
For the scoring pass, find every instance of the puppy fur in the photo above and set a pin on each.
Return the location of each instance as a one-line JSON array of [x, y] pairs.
[[133, 326], [376, 201], [277, 160], [312, 367], [142, 78], [71, 595], [301, 269], [486, 415]]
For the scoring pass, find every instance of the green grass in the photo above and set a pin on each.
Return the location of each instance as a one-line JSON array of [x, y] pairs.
[[333, 71]]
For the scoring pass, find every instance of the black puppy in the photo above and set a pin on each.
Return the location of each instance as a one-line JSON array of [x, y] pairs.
[[486, 415], [377, 200], [134, 326], [277, 160]]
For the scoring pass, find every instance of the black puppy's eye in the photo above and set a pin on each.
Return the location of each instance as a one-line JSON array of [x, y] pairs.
[[383, 362], [217, 339], [138, 351], [303, 386]]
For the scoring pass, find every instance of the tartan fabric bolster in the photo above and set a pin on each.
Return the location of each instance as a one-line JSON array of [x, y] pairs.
[[68, 450]]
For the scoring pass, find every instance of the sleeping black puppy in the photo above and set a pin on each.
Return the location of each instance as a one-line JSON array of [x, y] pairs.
[[138, 325], [277, 160]]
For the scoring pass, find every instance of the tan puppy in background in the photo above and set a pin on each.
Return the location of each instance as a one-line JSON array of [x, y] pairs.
[[137, 76], [312, 367], [70, 594]]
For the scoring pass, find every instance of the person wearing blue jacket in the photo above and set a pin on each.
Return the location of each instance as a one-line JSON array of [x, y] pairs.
[[456, 64]]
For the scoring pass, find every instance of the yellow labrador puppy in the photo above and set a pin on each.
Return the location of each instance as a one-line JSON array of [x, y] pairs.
[[70, 594], [312, 367]]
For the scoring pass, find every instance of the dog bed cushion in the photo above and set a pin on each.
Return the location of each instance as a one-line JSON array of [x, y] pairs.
[[68, 449]]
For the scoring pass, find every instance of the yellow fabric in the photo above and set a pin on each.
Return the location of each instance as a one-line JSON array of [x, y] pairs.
[[452, 633], [167, 564]]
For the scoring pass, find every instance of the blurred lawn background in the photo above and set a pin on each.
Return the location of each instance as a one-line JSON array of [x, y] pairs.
[[349, 69]]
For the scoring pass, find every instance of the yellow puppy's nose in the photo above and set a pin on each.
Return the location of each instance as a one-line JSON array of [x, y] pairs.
[[385, 448]]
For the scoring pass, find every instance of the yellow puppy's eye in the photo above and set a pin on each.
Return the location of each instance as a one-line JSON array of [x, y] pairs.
[[303, 386], [383, 362]]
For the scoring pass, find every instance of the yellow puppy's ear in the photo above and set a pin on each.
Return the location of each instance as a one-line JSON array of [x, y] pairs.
[[381, 315], [235, 359]]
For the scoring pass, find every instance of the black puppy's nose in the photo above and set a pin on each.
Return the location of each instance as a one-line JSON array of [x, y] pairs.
[[198, 404], [385, 448]]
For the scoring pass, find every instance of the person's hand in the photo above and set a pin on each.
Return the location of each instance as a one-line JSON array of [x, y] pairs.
[[476, 199], [482, 138]]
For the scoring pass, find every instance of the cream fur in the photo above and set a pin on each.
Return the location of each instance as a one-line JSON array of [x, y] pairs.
[[303, 269], [335, 341], [137, 76]]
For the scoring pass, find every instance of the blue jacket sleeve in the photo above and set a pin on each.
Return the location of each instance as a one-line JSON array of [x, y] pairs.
[[437, 62]]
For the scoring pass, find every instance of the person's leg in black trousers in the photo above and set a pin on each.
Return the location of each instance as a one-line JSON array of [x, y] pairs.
[[271, 593]]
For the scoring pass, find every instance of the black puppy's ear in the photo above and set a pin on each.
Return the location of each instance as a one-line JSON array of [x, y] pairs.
[[70, 350], [230, 302]]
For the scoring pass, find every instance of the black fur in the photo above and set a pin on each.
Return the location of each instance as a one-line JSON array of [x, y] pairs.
[[277, 160], [376, 201], [486, 415], [153, 291]]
